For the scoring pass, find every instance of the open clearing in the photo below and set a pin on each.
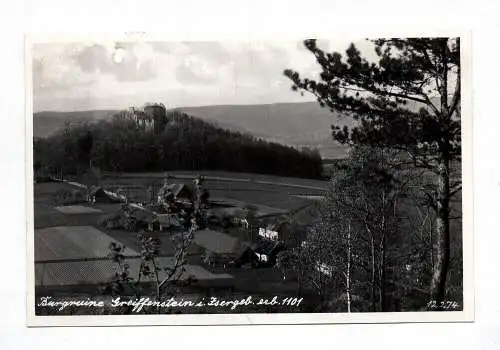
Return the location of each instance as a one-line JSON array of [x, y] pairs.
[[75, 255], [77, 209], [223, 176], [311, 197], [270, 194], [72, 242], [102, 271], [261, 210], [72, 249], [216, 242]]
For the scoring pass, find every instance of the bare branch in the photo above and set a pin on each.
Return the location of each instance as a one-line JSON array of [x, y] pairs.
[[455, 190], [457, 94]]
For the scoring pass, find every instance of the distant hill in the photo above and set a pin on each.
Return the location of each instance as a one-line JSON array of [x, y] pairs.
[[303, 124], [295, 124], [177, 142], [46, 123]]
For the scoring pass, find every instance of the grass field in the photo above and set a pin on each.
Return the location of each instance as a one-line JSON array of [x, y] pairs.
[[71, 242], [214, 241], [77, 209], [224, 176], [92, 272], [71, 239], [259, 190], [73, 245]]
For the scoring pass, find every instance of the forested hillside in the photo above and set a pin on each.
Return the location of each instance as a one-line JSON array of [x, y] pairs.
[[303, 124], [138, 141]]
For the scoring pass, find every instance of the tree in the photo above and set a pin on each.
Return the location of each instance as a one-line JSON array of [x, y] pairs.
[[153, 139], [150, 269], [355, 241], [85, 144], [408, 100]]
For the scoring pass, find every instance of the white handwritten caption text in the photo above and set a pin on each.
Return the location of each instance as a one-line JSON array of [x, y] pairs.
[[138, 304]]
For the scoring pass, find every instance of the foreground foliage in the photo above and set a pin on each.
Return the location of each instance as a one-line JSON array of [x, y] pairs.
[[408, 100]]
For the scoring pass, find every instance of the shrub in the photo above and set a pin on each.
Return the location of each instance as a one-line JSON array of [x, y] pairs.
[[67, 197], [111, 221]]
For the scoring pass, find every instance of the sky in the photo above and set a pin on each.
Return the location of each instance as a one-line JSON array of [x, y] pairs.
[[116, 75]]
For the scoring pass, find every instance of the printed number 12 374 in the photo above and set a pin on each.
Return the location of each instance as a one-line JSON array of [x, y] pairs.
[[443, 305]]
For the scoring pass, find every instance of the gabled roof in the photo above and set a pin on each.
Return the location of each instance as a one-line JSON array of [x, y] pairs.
[[268, 247], [142, 214], [168, 220], [115, 196], [175, 189], [94, 189]]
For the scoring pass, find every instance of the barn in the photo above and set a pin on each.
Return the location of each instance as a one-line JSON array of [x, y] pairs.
[[167, 221], [141, 217], [178, 191], [266, 252], [97, 195]]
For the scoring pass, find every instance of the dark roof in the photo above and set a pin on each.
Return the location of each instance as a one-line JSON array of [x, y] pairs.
[[142, 215], [169, 220], [175, 189], [268, 247], [96, 190]]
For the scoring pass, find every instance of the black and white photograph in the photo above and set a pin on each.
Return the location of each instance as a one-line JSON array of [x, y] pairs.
[[275, 181]]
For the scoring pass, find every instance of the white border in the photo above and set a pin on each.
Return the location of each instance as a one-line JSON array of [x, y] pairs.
[[467, 315]]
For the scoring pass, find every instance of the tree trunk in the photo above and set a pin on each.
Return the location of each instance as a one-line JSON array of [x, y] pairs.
[[374, 301], [382, 275], [381, 267], [442, 258], [348, 277]]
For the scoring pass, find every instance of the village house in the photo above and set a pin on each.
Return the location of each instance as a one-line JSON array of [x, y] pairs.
[[174, 192], [267, 251], [168, 221], [97, 195], [141, 217], [268, 233]]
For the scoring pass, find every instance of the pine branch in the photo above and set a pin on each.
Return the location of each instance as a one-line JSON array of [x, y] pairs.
[[455, 190], [456, 96]]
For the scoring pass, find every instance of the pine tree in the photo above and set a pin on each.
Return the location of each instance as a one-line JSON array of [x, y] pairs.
[[408, 100]]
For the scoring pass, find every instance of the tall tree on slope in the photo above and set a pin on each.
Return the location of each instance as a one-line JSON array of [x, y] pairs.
[[408, 100]]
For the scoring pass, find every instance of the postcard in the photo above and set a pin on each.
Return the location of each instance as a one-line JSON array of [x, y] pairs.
[[262, 181]]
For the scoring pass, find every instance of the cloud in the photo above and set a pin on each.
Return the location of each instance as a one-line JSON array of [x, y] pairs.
[[212, 52], [124, 62], [199, 63], [195, 72], [93, 59], [262, 64], [53, 69], [71, 75], [169, 47]]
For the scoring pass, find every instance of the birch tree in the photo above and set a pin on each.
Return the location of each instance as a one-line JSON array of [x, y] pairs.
[[409, 100], [357, 236]]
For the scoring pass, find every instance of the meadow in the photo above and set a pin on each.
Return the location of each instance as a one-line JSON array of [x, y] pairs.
[[263, 192]]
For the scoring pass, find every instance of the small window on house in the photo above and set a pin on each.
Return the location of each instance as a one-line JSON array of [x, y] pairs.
[[261, 257]]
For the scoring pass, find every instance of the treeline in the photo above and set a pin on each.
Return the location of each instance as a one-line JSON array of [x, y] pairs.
[[154, 139], [371, 247]]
